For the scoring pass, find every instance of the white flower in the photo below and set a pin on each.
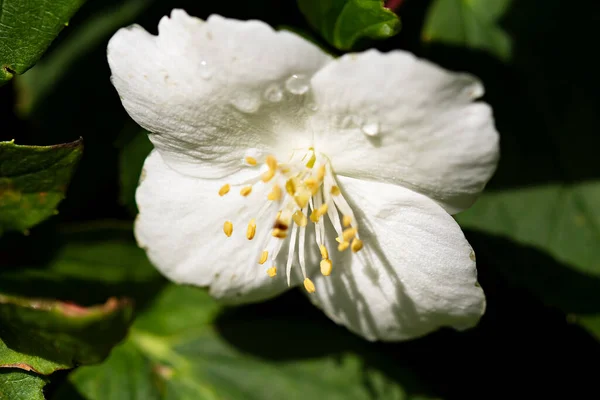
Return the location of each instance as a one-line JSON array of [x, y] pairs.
[[258, 134]]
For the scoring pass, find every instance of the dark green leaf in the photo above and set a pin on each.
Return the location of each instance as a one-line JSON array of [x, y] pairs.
[[33, 180], [27, 28], [343, 22], [19, 385], [472, 23], [44, 335], [182, 348]]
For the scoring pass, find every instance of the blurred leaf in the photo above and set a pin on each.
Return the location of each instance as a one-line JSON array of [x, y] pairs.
[[45, 335], [33, 180], [18, 385], [469, 23], [343, 22], [27, 28], [134, 151], [84, 37], [174, 351], [89, 264]]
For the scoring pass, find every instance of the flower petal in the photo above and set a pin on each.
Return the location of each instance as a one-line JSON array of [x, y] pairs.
[[211, 90], [398, 119], [415, 274], [180, 225]]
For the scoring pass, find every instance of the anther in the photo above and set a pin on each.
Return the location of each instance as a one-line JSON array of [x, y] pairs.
[[275, 193], [271, 163], [357, 244], [290, 186], [348, 234], [343, 246], [321, 173], [346, 220], [263, 257], [309, 285], [299, 218], [326, 267], [335, 191], [311, 161], [224, 189], [314, 216], [324, 252], [279, 233], [250, 160], [272, 271], [228, 228], [323, 209], [302, 199], [251, 231], [246, 190], [267, 175], [312, 185]]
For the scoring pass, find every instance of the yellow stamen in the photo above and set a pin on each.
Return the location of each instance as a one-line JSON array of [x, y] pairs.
[[324, 252], [312, 185], [246, 190], [335, 191], [314, 216], [267, 175], [323, 209], [302, 199], [271, 163], [263, 257], [346, 220], [343, 246], [290, 186], [250, 160], [348, 234], [299, 218], [309, 285], [279, 233], [311, 161], [326, 267], [321, 173], [357, 244], [272, 271], [251, 231], [228, 228], [275, 193], [224, 189]]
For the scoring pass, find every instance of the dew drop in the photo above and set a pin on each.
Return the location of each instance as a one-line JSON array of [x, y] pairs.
[[206, 71], [370, 128], [273, 93], [246, 102], [297, 84]]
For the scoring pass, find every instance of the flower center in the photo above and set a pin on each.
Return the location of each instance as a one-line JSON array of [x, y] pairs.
[[304, 190]]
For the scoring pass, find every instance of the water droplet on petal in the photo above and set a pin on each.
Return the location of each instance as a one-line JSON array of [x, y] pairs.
[[370, 128], [297, 84], [246, 102], [206, 71], [273, 93]]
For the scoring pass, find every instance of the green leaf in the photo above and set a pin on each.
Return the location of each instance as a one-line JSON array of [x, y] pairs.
[[45, 335], [343, 22], [19, 385], [186, 346], [33, 180], [27, 28], [469, 23]]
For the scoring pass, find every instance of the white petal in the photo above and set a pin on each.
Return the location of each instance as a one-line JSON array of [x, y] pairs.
[[206, 89], [180, 225], [394, 118], [415, 274]]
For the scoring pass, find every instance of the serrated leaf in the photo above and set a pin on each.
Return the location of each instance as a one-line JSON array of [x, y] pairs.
[[342, 23], [179, 349], [33, 180], [19, 385], [26, 30], [45, 335], [469, 23]]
